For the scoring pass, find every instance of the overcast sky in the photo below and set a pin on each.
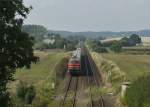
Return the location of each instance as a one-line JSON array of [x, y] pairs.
[[90, 15]]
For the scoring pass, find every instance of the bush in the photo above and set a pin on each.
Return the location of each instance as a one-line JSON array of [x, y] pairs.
[[70, 47], [100, 49], [25, 93], [116, 47], [130, 41], [138, 95], [21, 90], [30, 95], [96, 46]]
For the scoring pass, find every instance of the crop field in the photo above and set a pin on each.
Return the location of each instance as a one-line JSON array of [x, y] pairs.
[[139, 50], [145, 40], [132, 65]]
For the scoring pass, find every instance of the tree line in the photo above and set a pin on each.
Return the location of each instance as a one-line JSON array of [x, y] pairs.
[[116, 45], [47, 40]]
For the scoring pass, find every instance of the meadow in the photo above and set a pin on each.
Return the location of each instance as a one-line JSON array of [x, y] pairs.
[[132, 65], [145, 40]]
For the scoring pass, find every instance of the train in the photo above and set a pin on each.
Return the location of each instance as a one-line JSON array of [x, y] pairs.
[[74, 64]]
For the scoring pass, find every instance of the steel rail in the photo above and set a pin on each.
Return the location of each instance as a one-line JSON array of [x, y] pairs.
[[66, 92], [74, 98], [87, 74], [101, 102]]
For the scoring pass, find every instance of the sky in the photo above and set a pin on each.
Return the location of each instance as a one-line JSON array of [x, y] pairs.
[[90, 15]]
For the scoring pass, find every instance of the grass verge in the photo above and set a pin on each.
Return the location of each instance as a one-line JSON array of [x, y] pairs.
[[43, 76]]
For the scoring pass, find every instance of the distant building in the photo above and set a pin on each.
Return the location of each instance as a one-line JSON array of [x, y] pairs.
[[49, 41]]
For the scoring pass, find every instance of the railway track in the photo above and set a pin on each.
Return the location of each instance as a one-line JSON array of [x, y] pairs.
[[89, 83], [95, 78], [70, 86], [92, 79], [75, 94]]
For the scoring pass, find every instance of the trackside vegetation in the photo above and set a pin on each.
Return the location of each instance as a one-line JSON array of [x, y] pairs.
[[37, 86], [138, 94], [136, 70], [96, 46], [126, 61]]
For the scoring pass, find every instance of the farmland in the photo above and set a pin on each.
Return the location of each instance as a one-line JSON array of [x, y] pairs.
[[145, 40], [132, 65]]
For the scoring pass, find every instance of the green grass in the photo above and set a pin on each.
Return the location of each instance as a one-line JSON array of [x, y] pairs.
[[138, 94], [133, 65], [41, 70], [41, 75]]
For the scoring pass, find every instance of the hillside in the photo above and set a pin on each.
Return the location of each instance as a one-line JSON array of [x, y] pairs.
[[39, 32], [92, 34]]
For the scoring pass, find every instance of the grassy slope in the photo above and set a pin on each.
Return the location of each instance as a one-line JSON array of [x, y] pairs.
[[133, 65], [39, 72]]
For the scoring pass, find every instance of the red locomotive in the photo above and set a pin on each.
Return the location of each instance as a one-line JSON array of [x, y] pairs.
[[74, 64]]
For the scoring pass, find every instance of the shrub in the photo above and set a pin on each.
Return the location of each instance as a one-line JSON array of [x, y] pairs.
[[116, 47], [30, 95], [139, 93], [70, 47], [21, 90], [25, 93], [100, 50]]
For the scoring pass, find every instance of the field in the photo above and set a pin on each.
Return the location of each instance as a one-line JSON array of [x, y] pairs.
[[42, 69], [41, 75], [145, 40], [132, 65]]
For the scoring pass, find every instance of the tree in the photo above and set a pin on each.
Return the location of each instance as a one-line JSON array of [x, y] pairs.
[[130, 41], [37, 31], [125, 41], [116, 47], [59, 43], [100, 49], [15, 46], [135, 38], [70, 47], [93, 43]]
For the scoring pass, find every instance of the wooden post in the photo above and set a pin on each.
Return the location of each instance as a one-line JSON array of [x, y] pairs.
[[124, 87]]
